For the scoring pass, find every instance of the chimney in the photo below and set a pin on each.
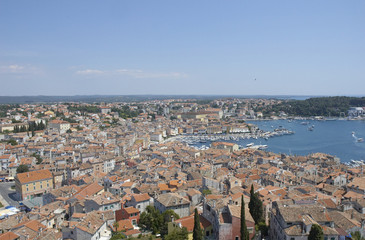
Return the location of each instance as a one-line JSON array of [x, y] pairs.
[[102, 217], [362, 223], [89, 224]]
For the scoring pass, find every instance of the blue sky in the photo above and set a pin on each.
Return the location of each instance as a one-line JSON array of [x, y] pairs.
[[182, 47]]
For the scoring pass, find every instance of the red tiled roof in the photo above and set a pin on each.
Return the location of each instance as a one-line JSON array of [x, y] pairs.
[[34, 176]]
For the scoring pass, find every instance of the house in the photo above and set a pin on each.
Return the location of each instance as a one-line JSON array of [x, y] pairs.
[[129, 213], [102, 202], [140, 201], [293, 220], [93, 226], [59, 125], [226, 219], [33, 184], [188, 223], [225, 145], [195, 196], [9, 236], [173, 201], [357, 185], [6, 160]]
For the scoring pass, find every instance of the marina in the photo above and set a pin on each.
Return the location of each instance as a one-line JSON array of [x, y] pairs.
[[294, 138]]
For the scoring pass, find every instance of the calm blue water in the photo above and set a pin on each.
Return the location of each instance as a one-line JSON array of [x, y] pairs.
[[331, 137]]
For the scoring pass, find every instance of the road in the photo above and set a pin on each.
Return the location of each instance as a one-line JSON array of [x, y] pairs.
[[7, 194]]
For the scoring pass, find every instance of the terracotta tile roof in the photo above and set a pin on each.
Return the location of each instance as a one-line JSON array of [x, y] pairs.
[[188, 222], [89, 190], [141, 197], [32, 224], [34, 176], [9, 236], [131, 232], [124, 225], [131, 210]]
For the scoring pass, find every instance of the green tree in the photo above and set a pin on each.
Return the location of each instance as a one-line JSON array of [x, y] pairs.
[[151, 220], [206, 192], [263, 228], [244, 231], [13, 142], [117, 236], [316, 233], [22, 168], [256, 207], [357, 236], [197, 232], [167, 217], [38, 157], [178, 234]]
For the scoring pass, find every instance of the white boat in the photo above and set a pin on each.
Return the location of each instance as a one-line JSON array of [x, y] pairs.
[[262, 147], [250, 145]]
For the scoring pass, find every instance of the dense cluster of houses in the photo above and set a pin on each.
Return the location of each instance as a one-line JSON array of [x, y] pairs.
[[98, 174]]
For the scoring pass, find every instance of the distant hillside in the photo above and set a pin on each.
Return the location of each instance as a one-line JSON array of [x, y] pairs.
[[323, 106]]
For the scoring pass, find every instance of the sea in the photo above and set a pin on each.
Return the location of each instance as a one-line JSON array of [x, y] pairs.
[[332, 137]]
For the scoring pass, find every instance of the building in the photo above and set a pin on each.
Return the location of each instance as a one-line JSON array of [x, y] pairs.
[[188, 223], [59, 125], [173, 201], [355, 112], [93, 226], [140, 201], [105, 110], [226, 220], [292, 220], [129, 213], [33, 184]]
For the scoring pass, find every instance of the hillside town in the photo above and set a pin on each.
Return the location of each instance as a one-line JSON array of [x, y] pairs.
[[114, 170]]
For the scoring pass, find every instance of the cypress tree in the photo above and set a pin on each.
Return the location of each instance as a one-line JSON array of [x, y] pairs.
[[255, 206], [197, 232], [244, 231]]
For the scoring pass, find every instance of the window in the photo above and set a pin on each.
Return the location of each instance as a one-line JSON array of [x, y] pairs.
[[292, 238], [237, 238]]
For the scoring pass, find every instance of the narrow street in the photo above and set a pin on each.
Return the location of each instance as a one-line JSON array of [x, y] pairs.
[[7, 194]]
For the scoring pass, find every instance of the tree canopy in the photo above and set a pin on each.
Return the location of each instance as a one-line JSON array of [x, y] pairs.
[[178, 234], [256, 207], [316, 233], [22, 168]]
